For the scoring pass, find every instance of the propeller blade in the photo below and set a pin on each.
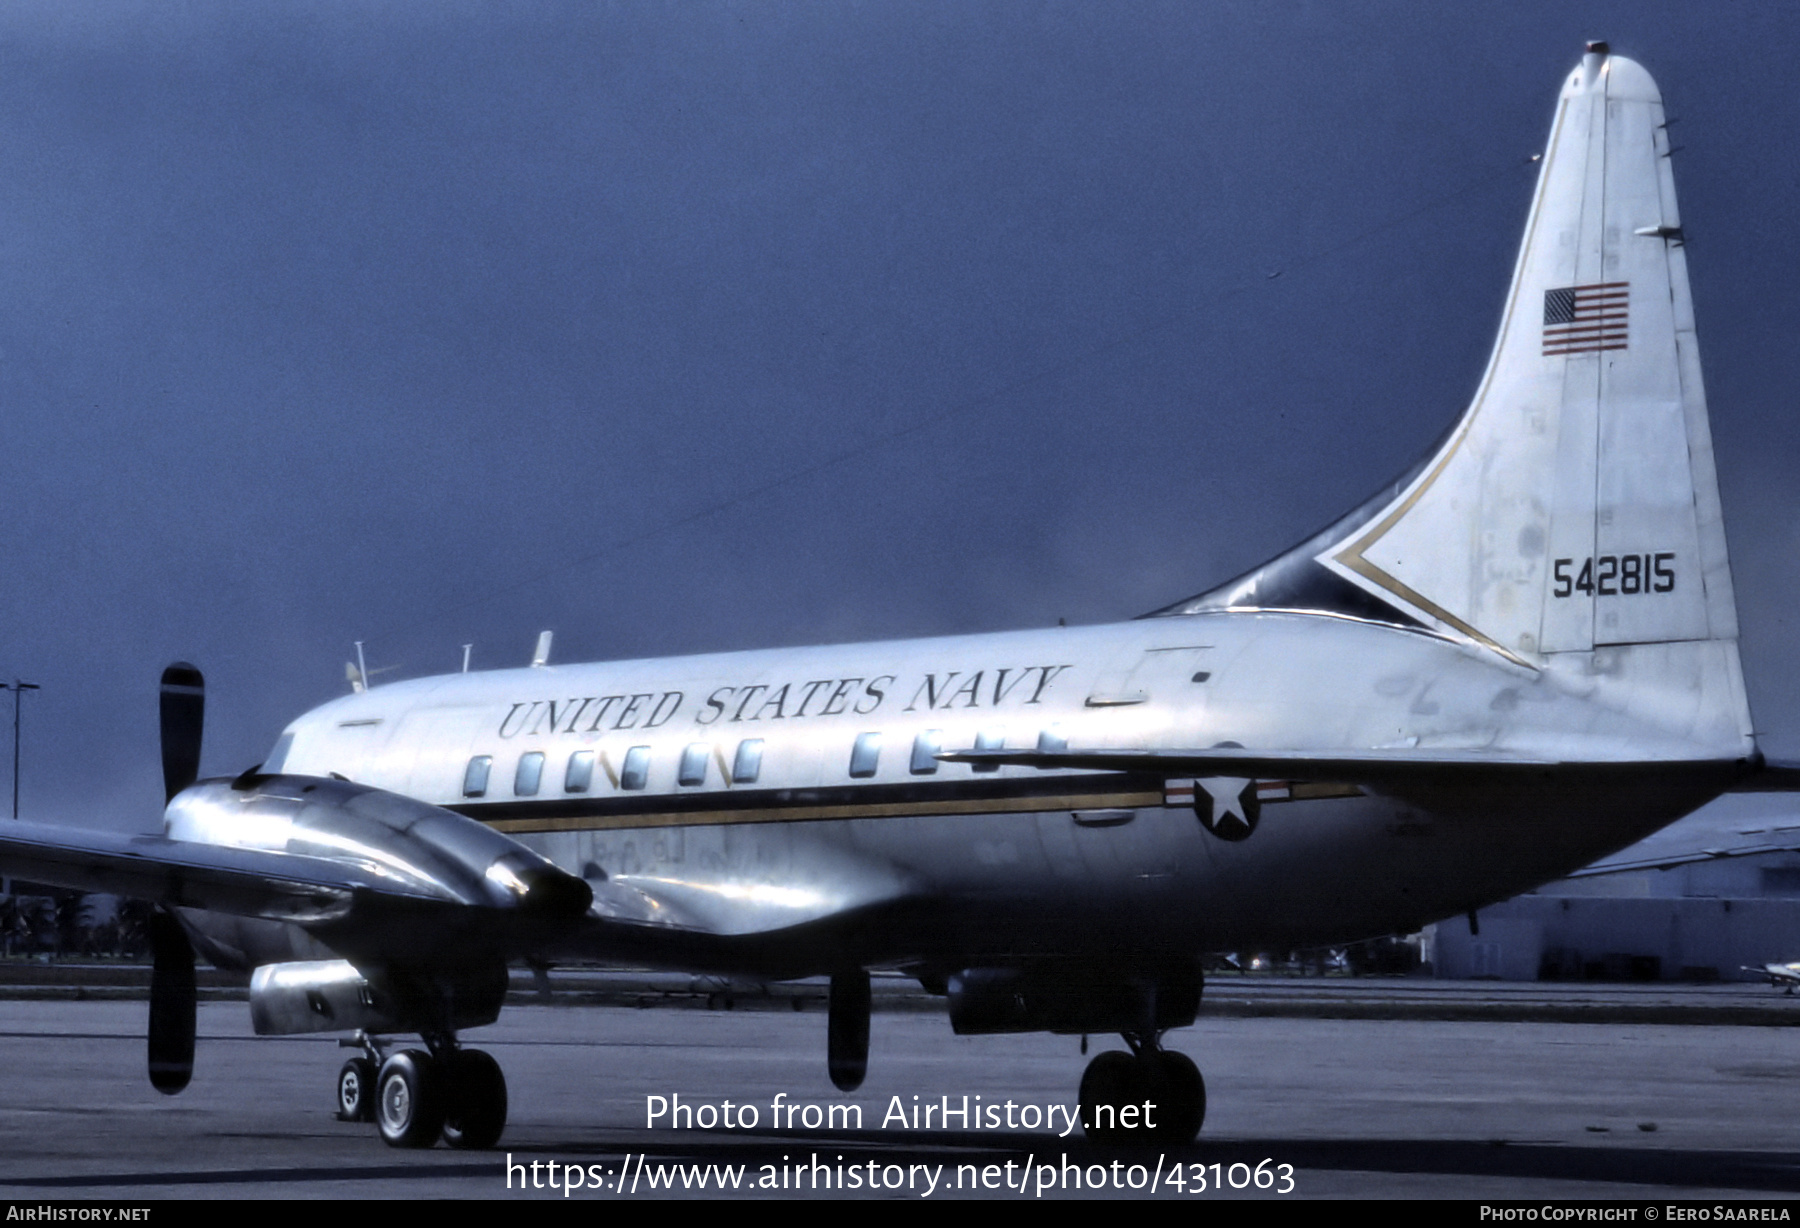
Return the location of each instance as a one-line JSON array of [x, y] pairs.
[[172, 1004], [183, 714], [847, 1028]]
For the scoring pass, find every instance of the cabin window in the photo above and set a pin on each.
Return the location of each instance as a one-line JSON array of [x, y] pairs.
[[529, 775], [636, 772], [989, 739], [693, 763], [277, 757], [579, 777], [476, 775], [865, 756], [747, 765], [925, 749], [1051, 742]]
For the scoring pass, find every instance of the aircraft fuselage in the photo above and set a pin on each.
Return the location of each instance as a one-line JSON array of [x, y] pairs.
[[756, 794]]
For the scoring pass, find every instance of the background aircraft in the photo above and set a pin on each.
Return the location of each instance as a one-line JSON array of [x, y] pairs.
[[1780, 975]]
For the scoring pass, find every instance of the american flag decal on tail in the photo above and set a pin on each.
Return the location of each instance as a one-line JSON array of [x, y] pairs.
[[1586, 319]]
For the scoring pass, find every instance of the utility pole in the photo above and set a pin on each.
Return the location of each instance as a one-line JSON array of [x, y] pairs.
[[18, 689]]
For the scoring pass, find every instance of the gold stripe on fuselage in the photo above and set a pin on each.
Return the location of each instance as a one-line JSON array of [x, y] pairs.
[[814, 814], [1298, 791]]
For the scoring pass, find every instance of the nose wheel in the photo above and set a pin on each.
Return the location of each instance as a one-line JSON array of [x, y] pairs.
[[356, 1090], [1148, 1095], [415, 1097]]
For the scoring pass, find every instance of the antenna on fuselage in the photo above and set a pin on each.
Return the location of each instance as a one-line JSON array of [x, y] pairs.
[[466, 648], [541, 657]]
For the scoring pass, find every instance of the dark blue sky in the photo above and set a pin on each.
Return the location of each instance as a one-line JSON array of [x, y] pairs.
[[430, 324]]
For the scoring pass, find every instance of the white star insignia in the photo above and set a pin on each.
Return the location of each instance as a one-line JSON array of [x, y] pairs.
[[1232, 808]]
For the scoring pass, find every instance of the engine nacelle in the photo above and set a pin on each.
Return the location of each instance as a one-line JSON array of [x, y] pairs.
[[1073, 999], [334, 996], [404, 845]]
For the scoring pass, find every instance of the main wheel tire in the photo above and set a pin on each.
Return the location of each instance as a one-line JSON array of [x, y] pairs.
[[477, 1099], [356, 1090], [409, 1102], [1180, 1095], [1111, 1082]]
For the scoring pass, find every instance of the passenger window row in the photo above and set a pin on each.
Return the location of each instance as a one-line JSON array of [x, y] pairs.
[[746, 764]]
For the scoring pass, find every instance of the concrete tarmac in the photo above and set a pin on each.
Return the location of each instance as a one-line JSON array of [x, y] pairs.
[[1357, 1107]]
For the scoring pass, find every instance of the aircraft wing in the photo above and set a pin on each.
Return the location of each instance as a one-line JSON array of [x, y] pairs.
[[374, 875], [179, 873]]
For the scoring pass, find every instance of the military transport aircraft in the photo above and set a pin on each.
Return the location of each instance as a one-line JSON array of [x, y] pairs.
[[1519, 657]]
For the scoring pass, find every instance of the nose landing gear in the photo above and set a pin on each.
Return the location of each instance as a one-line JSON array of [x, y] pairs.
[[409, 1100], [477, 1101], [414, 1097], [356, 1090]]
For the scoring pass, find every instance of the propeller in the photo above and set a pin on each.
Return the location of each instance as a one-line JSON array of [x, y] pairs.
[[172, 1004], [183, 713], [173, 999]]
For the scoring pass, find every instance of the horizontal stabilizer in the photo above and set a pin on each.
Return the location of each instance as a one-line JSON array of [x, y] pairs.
[[1689, 857], [1774, 776]]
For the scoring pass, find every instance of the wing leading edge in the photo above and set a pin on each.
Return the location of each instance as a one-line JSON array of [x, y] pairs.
[[182, 874]]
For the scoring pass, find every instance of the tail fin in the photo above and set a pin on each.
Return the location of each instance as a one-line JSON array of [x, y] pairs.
[[1570, 522], [1574, 506]]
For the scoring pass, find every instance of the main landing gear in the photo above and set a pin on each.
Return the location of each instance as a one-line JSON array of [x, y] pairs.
[[413, 1095], [1151, 1094]]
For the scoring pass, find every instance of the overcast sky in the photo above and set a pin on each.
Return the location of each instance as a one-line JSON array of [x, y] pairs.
[[705, 326]]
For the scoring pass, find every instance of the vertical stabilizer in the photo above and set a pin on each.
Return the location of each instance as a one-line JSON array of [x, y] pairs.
[[1575, 504]]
